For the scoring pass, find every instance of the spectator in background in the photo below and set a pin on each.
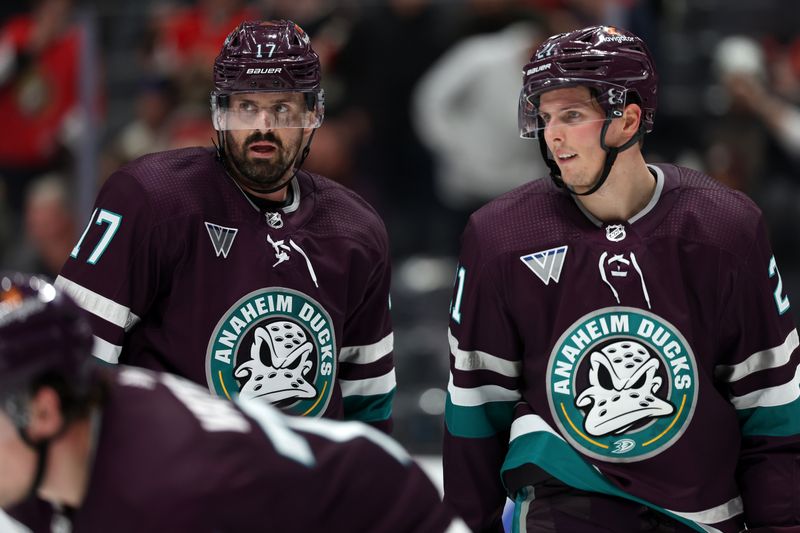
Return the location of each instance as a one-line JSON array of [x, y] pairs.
[[50, 226], [149, 131], [740, 64], [465, 110], [39, 68], [188, 39], [392, 44], [761, 79]]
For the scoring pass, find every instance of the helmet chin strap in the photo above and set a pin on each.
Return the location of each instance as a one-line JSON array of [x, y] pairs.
[[41, 450], [611, 156], [295, 161]]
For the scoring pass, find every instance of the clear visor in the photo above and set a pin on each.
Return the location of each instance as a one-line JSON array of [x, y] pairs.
[[267, 110], [570, 108]]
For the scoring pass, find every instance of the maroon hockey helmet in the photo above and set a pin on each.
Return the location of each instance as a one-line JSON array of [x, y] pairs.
[[614, 63], [271, 56], [41, 331]]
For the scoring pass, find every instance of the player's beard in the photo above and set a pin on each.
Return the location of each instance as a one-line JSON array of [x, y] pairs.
[[261, 175]]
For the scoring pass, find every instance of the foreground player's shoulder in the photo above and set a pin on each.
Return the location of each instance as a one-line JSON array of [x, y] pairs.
[[707, 210], [342, 213]]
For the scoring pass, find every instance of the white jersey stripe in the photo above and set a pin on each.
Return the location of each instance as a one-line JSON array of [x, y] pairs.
[[370, 386], [368, 353], [770, 396], [715, 515], [286, 442], [772, 358], [477, 396], [99, 305], [338, 431], [106, 351], [530, 424], [477, 360]]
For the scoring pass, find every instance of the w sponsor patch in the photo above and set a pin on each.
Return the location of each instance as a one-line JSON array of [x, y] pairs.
[[221, 238], [546, 264]]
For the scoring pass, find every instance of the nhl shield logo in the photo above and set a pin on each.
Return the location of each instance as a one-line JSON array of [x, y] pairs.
[[622, 384], [278, 345]]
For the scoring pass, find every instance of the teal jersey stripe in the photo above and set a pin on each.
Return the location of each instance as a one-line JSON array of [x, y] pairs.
[[778, 421], [561, 461], [373, 408], [479, 421]]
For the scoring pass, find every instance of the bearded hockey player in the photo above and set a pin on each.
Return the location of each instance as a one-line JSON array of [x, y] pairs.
[[623, 357], [130, 450], [234, 267]]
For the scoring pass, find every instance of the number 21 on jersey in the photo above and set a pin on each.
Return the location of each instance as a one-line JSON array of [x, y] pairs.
[[113, 221]]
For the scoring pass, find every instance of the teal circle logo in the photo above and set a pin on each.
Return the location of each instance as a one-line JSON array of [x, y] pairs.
[[278, 345], [622, 384]]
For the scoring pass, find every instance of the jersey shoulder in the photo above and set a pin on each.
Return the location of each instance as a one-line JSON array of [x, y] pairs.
[[173, 183], [709, 212], [341, 213], [527, 217]]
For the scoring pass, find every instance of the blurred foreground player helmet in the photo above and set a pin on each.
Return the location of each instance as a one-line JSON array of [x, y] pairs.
[[271, 56], [42, 332], [613, 63]]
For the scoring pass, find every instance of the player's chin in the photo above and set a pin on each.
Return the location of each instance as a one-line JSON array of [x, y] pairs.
[[268, 184]]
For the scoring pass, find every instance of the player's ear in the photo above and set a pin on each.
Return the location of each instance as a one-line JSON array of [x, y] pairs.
[[46, 418], [631, 118]]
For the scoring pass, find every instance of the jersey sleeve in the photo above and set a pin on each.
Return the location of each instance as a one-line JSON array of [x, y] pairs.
[[366, 371], [762, 378], [482, 390], [112, 271]]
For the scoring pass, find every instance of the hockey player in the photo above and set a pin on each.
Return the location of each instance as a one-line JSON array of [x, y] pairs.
[[130, 450], [623, 356], [235, 268]]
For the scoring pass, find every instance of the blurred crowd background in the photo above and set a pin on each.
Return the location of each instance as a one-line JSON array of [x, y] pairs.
[[421, 105]]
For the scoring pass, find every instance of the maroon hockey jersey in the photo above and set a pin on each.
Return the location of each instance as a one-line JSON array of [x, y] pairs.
[[653, 359], [169, 457], [183, 273]]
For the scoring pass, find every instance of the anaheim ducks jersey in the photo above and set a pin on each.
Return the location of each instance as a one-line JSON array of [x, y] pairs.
[[182, 273], [169, 457], [653, 359]]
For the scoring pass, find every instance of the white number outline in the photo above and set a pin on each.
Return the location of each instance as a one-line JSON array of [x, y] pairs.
[[455, 307], [104, 217], [781, 300]]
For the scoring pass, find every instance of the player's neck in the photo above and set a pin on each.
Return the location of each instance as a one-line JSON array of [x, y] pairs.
[[69, 460], [628, 189], [277, 197]]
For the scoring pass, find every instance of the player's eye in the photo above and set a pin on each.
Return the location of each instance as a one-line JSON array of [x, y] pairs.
[[281, 108], [544, 117], [572, 116], [248, 107]]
